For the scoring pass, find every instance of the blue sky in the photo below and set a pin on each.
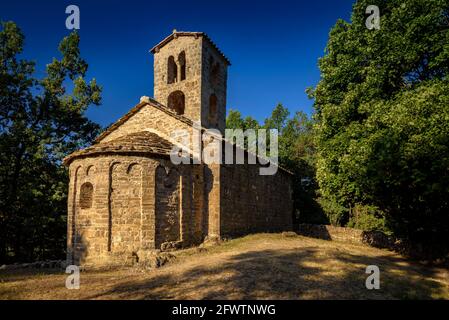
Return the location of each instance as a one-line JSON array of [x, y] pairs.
[[274, 46]]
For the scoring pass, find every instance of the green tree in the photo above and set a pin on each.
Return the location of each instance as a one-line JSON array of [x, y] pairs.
[[382, 117], [297, 153], [278, 118], [234, 120], [40, 123], [250, 123]]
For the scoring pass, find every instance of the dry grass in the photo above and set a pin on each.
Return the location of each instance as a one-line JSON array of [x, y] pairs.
[[262, 266]]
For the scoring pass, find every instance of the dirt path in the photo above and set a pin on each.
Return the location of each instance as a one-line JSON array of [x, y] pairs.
[[263, 266]]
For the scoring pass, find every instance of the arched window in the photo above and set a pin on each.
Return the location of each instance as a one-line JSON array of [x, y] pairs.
[[172, 70], [176, 101], [86, 195], [213, 110], [182, 65]]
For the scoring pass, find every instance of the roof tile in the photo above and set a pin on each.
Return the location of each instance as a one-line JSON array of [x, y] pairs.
[[140, 142]]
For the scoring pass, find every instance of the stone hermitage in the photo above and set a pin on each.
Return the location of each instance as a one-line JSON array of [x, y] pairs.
[[127, 201]]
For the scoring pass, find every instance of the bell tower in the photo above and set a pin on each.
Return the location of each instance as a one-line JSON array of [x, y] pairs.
[[190, 75]]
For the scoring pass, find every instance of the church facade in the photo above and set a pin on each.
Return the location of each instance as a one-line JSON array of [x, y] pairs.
[[127, 198]]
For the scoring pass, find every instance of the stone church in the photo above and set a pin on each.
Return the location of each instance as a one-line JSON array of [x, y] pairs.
[[126, 197]]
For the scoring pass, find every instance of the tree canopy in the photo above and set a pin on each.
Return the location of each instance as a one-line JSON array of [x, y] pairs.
[[382, 116], [40, 123]]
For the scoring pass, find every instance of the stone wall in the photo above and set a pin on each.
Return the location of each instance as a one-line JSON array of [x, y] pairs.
[[214, 82], [349, 235], [168, 211], [116, 225], [126, 206], [251, 202], [152, 119], [327, 232], [122, 206], [136, 207], [213, 185], [179, 198]]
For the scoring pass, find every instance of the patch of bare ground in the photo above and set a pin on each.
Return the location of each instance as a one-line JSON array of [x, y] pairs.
[[261, 266]]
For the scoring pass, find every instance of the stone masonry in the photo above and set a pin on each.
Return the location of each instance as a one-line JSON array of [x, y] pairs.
[[127, 200]]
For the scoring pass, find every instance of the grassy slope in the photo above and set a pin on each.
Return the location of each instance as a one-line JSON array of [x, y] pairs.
[[262, 266]]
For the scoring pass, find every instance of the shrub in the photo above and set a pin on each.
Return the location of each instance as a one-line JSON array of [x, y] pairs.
[[368, 218]]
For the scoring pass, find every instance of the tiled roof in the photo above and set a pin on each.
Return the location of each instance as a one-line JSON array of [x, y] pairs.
[[141, 142], [188, 34]]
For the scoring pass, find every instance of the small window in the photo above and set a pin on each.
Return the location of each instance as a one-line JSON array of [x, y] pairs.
[[182, 65], [213, 111], [176, 102], [86, 195], [172, 70]]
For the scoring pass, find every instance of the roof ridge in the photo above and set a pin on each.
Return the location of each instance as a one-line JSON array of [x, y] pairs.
[[146, 142], [143, 102], [152, 102]]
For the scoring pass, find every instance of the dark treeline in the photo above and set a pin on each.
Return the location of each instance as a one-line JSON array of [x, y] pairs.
[[40, 123]]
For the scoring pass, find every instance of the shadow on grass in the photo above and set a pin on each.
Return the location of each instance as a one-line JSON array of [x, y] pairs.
[[286, 274]]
